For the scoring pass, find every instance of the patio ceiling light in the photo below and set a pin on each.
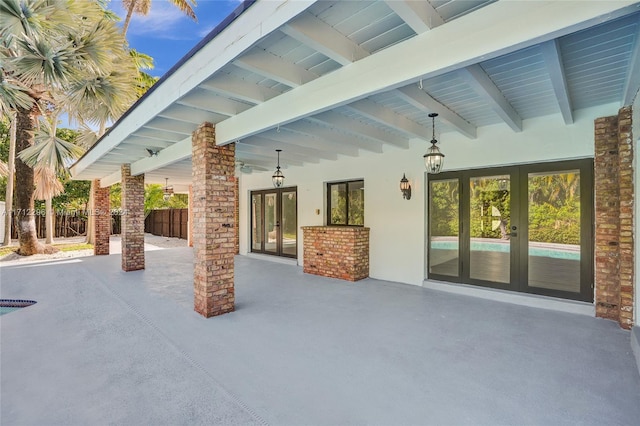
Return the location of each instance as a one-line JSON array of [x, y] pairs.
[[168, 190], [278, 177], [433, 159], [405, 187]]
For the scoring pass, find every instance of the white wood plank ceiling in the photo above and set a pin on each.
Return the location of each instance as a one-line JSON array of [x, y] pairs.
[[312, 83]]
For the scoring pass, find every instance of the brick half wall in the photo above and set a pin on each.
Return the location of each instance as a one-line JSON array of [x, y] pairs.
[[336, 251]]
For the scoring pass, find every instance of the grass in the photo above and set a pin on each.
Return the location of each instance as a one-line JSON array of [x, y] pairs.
[[62, 247]]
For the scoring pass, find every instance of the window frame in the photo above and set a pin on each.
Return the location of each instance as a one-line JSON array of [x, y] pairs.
[[328, 198]]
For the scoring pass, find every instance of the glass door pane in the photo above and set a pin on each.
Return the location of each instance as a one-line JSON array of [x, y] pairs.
[[256, 222], [289, 223], [444, 222], [490, 221], [554, 230], [271, 223]]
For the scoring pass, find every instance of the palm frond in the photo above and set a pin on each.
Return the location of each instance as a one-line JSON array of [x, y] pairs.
[[40, 62], [4, 169], [142, 61], [50, 151], [46, 182], [186, 7], [13, 96], [87, 137]]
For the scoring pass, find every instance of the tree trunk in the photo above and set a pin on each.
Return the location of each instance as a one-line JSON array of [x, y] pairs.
[[24, 212], [48, 221], [127, 20], [8, 206]]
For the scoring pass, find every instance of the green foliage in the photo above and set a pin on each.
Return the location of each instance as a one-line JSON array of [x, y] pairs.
[[154, 199], [553, 214], [347, 203], [444, 208]]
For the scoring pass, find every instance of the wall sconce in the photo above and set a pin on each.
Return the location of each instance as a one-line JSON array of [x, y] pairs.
[[405, 187], [433, 159], [278, 177]]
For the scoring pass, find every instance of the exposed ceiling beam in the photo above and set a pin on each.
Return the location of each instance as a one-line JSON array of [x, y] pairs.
[[176, 152], [480, 82], [273, 142], [229, 85], [170, 125], [275, 68], [249, 157], [489, 32], [111, 179], [259, 20], [351, 125], [390, 118], [632, 84], [419, 15], [190, 114], [294, 157], [204, 100], [322, 37], [553, 60], [158, 134], [314, 136], [421, 100]]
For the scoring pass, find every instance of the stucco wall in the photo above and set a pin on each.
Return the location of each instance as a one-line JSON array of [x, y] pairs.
[[398, 226]]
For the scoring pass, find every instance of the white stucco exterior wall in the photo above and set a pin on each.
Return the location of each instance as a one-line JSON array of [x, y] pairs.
[[398, 227]]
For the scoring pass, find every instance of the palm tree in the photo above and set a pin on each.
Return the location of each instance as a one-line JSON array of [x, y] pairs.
[[8, 205], [55, 55], [49, 156], [142, 7]]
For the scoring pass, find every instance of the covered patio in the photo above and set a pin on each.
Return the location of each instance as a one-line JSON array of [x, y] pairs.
[[103, 346]]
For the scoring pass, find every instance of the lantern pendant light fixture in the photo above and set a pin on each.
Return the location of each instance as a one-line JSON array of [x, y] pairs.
[[405, 187], [433, 159], [167, 190], [278, 177]]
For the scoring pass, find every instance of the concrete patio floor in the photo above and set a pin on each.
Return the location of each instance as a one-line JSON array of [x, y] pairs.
[[103, 346]]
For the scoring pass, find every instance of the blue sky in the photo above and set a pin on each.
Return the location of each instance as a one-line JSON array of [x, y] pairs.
[[166, 34]]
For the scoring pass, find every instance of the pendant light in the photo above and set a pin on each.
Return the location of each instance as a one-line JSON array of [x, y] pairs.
[[433, 159], [278, 177]]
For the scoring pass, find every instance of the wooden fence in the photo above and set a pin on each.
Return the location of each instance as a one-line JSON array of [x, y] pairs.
[[168, 223], [65, 226]]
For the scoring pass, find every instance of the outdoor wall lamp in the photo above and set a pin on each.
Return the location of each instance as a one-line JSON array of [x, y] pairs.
[[405, 187], [433, 159], [278, 177]]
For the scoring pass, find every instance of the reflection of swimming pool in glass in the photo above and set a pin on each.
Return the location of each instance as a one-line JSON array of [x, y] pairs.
[[559, 251]]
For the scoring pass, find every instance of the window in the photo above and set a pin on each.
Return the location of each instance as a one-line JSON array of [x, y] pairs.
[[345, 203]]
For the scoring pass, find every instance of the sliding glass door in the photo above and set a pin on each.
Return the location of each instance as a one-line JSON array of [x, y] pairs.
[[522, 228]]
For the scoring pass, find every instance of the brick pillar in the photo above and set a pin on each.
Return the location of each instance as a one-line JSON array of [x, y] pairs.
[[101, 219], [213, 180], [237, 216], [190, 218], [614, 246], [132, 220]]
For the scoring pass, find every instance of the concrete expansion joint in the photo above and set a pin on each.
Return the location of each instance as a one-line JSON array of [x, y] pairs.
[[176, 349]]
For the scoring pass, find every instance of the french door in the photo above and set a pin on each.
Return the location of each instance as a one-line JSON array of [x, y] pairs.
[[523, 228], [274, 222]]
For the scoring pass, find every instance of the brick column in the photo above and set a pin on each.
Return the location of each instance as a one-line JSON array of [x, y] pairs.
[[614, 245], [190, 218], [132, 220], [213, 184], [237, 215], [101, 219]]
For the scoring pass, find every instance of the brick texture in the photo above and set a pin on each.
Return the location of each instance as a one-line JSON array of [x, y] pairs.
[[132, 220], [102, 219], [237, 215], [614, 243], [213, 182], [336, 251]]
